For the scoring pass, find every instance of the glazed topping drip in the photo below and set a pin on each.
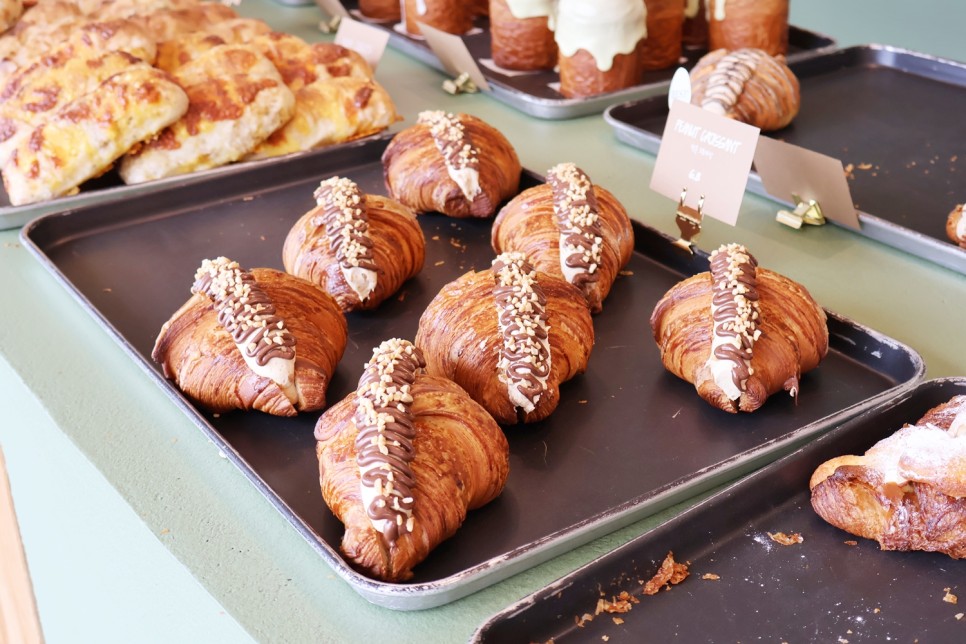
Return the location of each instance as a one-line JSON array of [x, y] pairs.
[[346, 223], [719, 9], [248, 314], [521, 9], [384, 444], [727, 80], [602, 28], [734, 314], [459, 153], [691, 8], [578, 220], [522, 314]]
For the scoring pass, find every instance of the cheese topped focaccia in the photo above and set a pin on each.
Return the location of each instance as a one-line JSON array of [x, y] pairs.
[[178, 52], [171, 23], [84, 138], [331, 111], [36, 92], [301, 64], [237, 99]]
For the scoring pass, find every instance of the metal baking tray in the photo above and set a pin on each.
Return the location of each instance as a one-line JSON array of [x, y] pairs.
[[109, 186], [821, 590], [536, 93], [628, 439], [895, 115]]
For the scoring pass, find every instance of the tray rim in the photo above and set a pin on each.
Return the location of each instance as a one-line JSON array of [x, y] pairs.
[[945, 254], [435, 593], [701, 506]]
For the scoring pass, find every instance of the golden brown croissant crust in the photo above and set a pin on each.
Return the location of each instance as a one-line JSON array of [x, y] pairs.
[[417, 172], [908, 492], [955, 227], [520, 43], [395, 243], [762, 24], [461, 463], [529, 224], [747, 85], [199, 355], [460, 335], [793, 338]]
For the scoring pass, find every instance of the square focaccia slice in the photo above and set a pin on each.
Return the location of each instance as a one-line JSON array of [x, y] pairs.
[[328, 112], [84, 138], [237, 99]]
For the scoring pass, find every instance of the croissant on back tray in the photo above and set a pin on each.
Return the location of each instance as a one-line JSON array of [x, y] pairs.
[[402, 459], [908, 491], [258, 339], [508, 335], [739, 332], [568, 212], [359, 247], [455, 164]]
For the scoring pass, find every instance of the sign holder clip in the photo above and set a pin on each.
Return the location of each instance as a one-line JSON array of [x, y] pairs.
[[462, 84], [688, 220], [805, 212]]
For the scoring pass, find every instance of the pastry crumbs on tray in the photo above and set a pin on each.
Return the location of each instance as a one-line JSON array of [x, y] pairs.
[[851, 542], [710, 576], [786, 539], [958, 616], [949, 598], [439, 263]]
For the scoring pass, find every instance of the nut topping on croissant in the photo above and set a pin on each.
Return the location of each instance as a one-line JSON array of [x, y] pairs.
[[747, 85], [403, 459], [908, 491], [461, 158], [346, 224], [739, 333], [522, 312], [577, 218]]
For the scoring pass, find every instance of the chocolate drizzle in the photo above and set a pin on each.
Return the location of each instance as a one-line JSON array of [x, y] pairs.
[[727, 80], [578, 220], [459, 153], [346, 222], [384, 444], [521, 306], [245, 310], [734, 310]]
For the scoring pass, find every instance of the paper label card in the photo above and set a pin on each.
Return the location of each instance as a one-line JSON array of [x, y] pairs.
[[709, 156], [452, 52], [787, 170], [369, 41], [332, 7], [680, 89]]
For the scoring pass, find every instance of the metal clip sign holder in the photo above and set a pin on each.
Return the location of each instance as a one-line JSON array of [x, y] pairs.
[[462, 84], [805, 212], [688, 220]]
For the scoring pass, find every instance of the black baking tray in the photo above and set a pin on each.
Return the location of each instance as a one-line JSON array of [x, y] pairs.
[[894, 114], [628, 439], [537, 93], [821, 590]]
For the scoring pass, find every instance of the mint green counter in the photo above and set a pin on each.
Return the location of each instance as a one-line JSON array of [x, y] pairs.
[[137, 530]]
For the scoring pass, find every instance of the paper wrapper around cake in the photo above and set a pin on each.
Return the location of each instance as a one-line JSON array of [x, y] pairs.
[[461, 463], [761, 24], [794, 338], [520, 43], [908, 492]]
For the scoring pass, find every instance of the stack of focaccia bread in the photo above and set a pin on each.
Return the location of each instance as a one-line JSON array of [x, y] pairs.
[[163, 88]]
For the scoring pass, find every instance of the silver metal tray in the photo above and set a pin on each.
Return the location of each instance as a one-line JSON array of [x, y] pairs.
[[821, 590], [536, 93], [109, 186], [628, 439], [894, 114]]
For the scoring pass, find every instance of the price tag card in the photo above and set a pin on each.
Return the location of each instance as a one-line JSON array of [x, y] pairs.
[[369, 41], [787, 170], [332, 7], [452, 52], [709, 156]]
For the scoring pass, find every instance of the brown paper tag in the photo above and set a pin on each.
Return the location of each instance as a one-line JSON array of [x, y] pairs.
[[452, 52], [707, 155], [369, 41], [787, 170]]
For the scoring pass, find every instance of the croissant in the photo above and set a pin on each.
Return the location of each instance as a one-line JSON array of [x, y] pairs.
[[570, 212], [455, 164], [509, 336], [908, 491], [259, 339], [359, 248], [520, 35], [747, 85], [402, 459], [735, 24], [600, 43], [956, 226], [739, 332]]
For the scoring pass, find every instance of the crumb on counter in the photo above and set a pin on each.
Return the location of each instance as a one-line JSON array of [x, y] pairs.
[[851, 542], [786, 539], [949, 598], [710, 576]]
